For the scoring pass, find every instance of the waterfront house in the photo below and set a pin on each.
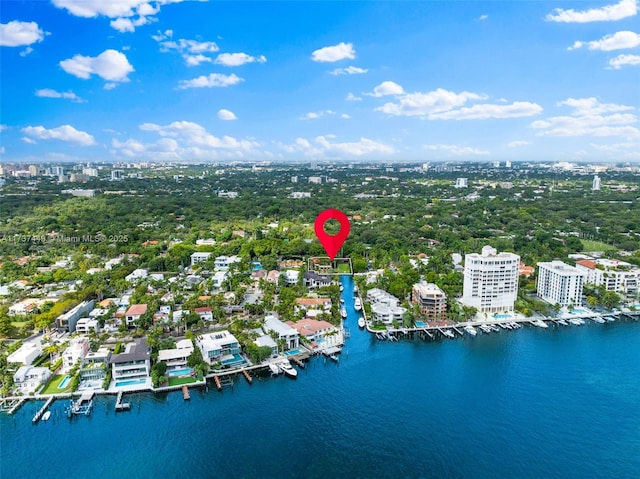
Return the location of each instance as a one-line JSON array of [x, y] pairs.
[[284, 331], [86, 325], [312, 329], [218, 279], [28, 378], [132, 366], [320, 305], [76, 351], [176, 358], [220, 347], [291, 276], [268, 341], [94, 365], [385, 307]]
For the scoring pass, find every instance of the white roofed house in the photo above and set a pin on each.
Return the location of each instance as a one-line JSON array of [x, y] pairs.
[[76, 351], [284, 331], [28, 379], [221, 348], [177, 358], [385, 306], [199, 257], [94, 365], [223, 263]]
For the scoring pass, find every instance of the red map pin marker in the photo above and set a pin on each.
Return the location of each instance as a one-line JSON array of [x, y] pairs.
[[332, 243]]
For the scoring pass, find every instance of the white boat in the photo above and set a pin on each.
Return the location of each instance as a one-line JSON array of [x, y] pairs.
[[355, 288], [341, 287], [485, 329], [357, 304], [470, 330], [562, 322], [343, 312], [275, 370], [540, 323], [361, 322], [46, 415], [288, 369], [494, 328], [598, 319], [448, 333]]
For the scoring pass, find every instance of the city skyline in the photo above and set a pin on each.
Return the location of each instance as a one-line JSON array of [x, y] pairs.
[[360, 81]]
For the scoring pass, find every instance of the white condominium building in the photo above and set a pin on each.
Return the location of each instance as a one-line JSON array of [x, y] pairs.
[[490, 280], [613, 274], [559, 283]]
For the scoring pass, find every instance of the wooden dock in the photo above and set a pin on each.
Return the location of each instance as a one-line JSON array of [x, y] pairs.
[[297, 361], [247, 376], [185, 392], [218, 383], [121, 406], [42, 410]]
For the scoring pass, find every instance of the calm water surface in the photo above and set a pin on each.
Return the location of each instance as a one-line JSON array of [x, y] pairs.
[[561, 402]]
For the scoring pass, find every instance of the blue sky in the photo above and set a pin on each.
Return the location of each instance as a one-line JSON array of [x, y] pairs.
[[134, 80]]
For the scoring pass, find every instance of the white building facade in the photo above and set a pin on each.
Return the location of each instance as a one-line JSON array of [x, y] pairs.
[[559, 283], [490, 280]]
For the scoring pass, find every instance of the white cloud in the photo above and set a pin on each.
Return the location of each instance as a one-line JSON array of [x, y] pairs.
[[28, 140], [110, 86], [226, 115], [195, 135], [2, 150], [334, 53], [442, 104], [621, 60], [517, 143], [483, 17], [345, 116], [350, 70], [3, 127], [351, 97], [457, 150], [616, 41], [313, 115], [425, 104], [68, 95], [623, 9], [26, 51], [237, 59], [485, 111], [211, 80], [63, 133], [17, 34], [322, 146], [386, 88], [590, 118], [193, 51], [110, 65], [123, 11]]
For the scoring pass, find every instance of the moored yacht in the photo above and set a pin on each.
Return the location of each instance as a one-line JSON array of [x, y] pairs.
[[361, 322], [343, 312], [288, 369], [275, 370], [470, 330], [357, 304]]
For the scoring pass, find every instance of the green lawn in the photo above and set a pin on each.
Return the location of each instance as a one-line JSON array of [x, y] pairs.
[[180, 381], [52, 387], [344, 268], [590, 245]]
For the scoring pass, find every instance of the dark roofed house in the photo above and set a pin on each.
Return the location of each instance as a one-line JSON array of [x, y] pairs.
[[313, 280], [133, 366]]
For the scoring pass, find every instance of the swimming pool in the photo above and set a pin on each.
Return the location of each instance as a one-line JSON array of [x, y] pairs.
[[501, 316], [293, 352], [179, 372], [64, 382], [131, 382], [578, 311], [421, 324], [237, 359]]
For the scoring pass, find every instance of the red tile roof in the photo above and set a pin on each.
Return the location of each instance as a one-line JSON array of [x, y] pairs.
[[136, 310], [587, 263]]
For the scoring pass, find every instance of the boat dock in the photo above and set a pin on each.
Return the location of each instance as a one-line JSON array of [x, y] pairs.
[[11, 405], [297, 361], [42, 410], [247, 376], [216, 379], [332, 353], [121, 406], [82, 405], [185, 392]]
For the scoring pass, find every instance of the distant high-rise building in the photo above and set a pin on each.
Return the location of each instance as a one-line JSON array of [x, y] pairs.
[[507, 164], [595, 186], [33, 170], [559, 283], [116, 174], [490, 280], [461, 182], [92, 172], [57, 170], [315, 179], [431, 300], [496, 164], [294, 179]]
